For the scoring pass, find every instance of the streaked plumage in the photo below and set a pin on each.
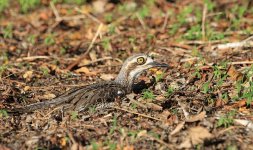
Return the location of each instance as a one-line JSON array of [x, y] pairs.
[[99, 94]]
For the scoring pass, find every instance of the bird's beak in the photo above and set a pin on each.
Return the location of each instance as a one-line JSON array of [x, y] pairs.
[[157, 64]]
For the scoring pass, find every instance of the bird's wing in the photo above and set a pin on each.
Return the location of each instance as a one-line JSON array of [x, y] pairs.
[[97, 95], [79, 98]]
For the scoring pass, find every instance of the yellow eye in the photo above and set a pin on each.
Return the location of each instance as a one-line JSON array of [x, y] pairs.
[[141, 60]]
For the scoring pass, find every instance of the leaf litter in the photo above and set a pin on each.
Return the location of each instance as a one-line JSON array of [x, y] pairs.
[[203, 100]]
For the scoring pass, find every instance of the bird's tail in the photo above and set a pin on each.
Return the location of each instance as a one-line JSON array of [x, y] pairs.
[[40, 105]]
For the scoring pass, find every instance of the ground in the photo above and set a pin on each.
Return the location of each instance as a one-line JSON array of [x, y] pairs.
[[203, 100]]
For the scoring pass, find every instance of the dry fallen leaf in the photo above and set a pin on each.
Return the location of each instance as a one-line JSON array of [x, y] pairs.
[[26, 88], [234, 74], [196, 135], [48, 96], [178, 128], [128, 147], [154, 106], [28, 75], [107, 77], [86, 71], [84, 62], [220, 102], [197, 117], [238, 104]]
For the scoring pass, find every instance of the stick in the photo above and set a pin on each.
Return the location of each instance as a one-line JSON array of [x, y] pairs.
[[57, 16], [241, 62], [203, 21], [160, 141], [139, 114], [247, 43], [141, 21], [101, 59], [88, 50], [165, 21], [88, 15], [31, 58]]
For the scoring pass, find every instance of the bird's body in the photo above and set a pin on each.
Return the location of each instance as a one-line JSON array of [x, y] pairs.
[[99, 94]]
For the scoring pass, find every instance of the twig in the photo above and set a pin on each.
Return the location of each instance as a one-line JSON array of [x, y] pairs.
[[241, 62], [180, 52], [160, 141], [247, 43], [139, 114], [141, 21], [31, 58], [88, 50], [227, 129], [183, 107], [100, 59], [120, 19], [189, 59], [89, 15], [131, 98], [203, 21], [57, 16], [165, 21], [202, 42]]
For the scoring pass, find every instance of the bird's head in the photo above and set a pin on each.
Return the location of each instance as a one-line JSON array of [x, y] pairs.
[[134, 66]]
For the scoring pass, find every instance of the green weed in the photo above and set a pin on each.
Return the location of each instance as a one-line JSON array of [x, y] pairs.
[[124, 8], [3, 113], [238, 11], [170, 90], [49, 40], [63, 50], [213, 35], [92, 109], [111, 29], [108, 17], [78, 2], [8, 31], [144, 12], [194, 33], [232, 147], [74, 115], [132, 135], [248, 93], [114, 125], [28, 4], [197, 73], [210, 5], [94, 145], [205, 87], [2, 69], [3, 4], [45, 71], [147, 94], [181, 19], [159, 77], [112, 145], [226, 120], [31, 39], [106, 44], [133, 105]]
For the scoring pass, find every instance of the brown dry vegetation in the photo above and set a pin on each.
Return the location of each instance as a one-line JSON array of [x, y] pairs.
[[202, 101]]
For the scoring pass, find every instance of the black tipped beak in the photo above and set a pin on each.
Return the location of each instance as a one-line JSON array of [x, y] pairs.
[[157, 64]]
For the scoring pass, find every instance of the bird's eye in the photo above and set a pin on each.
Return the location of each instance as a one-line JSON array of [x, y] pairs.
[[141, 60]]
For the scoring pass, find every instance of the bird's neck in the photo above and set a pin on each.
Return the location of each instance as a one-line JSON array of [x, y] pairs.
[[125, 79]]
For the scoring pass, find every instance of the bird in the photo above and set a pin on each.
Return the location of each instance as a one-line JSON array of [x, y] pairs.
[[101, 94]]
